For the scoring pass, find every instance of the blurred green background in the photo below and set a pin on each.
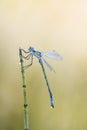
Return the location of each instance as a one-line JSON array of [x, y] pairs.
[[46, 25]]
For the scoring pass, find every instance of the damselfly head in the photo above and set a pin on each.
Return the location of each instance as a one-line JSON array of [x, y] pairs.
[[31, 48]]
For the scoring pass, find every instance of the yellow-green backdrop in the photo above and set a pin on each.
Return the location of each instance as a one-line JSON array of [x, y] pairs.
[[59, 25]]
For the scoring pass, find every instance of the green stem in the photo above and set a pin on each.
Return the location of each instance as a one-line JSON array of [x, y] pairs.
[[26, 126]]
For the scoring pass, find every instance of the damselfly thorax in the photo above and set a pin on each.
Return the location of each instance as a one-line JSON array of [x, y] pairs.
[[35, 53]]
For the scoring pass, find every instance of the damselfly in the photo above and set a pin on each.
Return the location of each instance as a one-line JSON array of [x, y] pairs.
[[39, 55]]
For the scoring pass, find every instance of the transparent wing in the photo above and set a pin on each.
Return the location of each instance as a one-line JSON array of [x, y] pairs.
[[52, 54], [50, 67]]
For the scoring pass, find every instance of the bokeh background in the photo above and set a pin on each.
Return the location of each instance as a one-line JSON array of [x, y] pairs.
[[46, 25]]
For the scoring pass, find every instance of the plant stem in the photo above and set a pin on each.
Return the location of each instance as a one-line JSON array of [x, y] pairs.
[[26, 120]]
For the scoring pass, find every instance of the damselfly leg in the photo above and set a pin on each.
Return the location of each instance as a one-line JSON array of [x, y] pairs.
[[27, 57], [27, 66]]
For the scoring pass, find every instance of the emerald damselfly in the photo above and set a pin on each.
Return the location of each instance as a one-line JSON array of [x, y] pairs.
[[40, 56]]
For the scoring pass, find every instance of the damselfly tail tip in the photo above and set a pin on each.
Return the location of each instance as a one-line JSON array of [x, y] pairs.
[[52, 106], [51, 101]]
